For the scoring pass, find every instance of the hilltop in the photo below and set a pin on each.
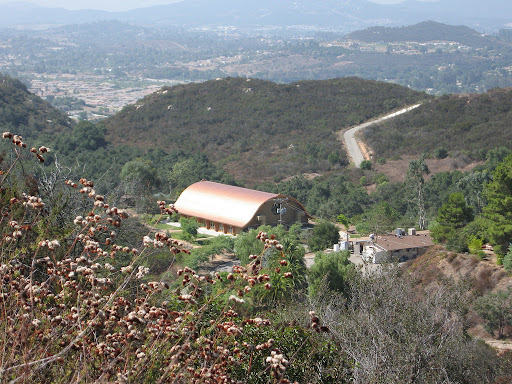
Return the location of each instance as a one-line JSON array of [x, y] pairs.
[[473, 123], [427, 31], [258, 130]]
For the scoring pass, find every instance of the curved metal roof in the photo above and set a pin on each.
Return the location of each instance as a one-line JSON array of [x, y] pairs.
[[222, 203]]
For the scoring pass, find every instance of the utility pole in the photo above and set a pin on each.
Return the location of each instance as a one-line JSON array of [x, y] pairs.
[[281, 210]]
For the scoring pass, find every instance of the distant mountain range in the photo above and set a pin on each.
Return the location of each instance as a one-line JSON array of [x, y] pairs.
[[346, 15]]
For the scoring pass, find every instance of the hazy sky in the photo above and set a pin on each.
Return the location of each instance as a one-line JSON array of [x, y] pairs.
[[120, 5], [106, 5]]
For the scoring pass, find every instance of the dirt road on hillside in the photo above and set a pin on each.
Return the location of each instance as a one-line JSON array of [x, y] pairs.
[[354, 150]]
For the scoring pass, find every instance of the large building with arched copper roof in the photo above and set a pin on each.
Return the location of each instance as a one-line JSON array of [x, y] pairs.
[[229, 209]]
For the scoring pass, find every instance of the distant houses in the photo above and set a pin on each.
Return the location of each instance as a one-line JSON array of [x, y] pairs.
[[231, 210]]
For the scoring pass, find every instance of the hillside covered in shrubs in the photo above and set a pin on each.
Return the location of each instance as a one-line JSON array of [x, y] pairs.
[[472, 124], [258, 130], [27, 114]]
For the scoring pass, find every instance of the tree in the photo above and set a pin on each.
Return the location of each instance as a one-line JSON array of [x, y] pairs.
[[189, 227], [366, 164], [87, 135], [475, 246], [195, 168], [342, 219], [495, 156], [452, 216], [441, 153], [415, 180], [330, 271], [324, 235], [472, 185], [496, 309], [247, 244], [282, 287], [381, 218], [139, 175], [499, 207]]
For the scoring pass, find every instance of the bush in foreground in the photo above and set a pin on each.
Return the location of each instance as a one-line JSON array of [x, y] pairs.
[[76, 305]]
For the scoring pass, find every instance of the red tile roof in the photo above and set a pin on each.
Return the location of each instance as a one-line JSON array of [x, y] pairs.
[[221, 203]]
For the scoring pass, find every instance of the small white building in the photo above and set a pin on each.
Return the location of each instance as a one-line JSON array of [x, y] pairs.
[[386, 248]]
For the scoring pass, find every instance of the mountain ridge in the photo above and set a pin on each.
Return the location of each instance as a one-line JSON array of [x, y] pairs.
[[349, 14]]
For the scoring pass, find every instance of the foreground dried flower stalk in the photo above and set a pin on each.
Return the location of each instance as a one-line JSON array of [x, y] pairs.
[[68, 313]]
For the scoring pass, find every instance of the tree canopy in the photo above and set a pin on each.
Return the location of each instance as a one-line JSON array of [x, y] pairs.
[[452, 216], [331, 271], [324, 235], [499, 208]]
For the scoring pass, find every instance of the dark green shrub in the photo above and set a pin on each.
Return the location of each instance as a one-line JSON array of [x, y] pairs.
[[366, 165]]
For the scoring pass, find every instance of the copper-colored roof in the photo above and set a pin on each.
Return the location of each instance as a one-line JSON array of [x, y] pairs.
[[394, 243], [221, 203]]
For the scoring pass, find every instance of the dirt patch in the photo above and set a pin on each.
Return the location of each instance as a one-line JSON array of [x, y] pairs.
[[223, 262], [307, 176], [484, 275], [396, 170], [366, 150]]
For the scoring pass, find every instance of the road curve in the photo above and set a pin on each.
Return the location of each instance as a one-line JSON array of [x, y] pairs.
[[349, 136]]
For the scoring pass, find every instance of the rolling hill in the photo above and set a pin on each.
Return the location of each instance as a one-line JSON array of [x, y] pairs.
[[257, 130]]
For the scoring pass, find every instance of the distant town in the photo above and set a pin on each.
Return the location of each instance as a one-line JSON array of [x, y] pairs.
[[90, 76]]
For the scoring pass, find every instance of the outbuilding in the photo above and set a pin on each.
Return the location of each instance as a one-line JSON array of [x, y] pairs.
[[229, 209]]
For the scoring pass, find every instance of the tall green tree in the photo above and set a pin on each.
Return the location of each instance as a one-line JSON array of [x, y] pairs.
[[453, 215], [416, 182], [139, 175], [499, 207], [472, 186]]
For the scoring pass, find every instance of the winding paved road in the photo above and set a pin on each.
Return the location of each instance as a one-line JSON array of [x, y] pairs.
[[349, 137]]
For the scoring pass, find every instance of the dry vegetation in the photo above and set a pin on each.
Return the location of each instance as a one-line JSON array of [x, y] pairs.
[[77, 306], [483, 276]]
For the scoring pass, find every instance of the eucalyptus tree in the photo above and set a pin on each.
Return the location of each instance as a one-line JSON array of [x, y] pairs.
[[416, 182]]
